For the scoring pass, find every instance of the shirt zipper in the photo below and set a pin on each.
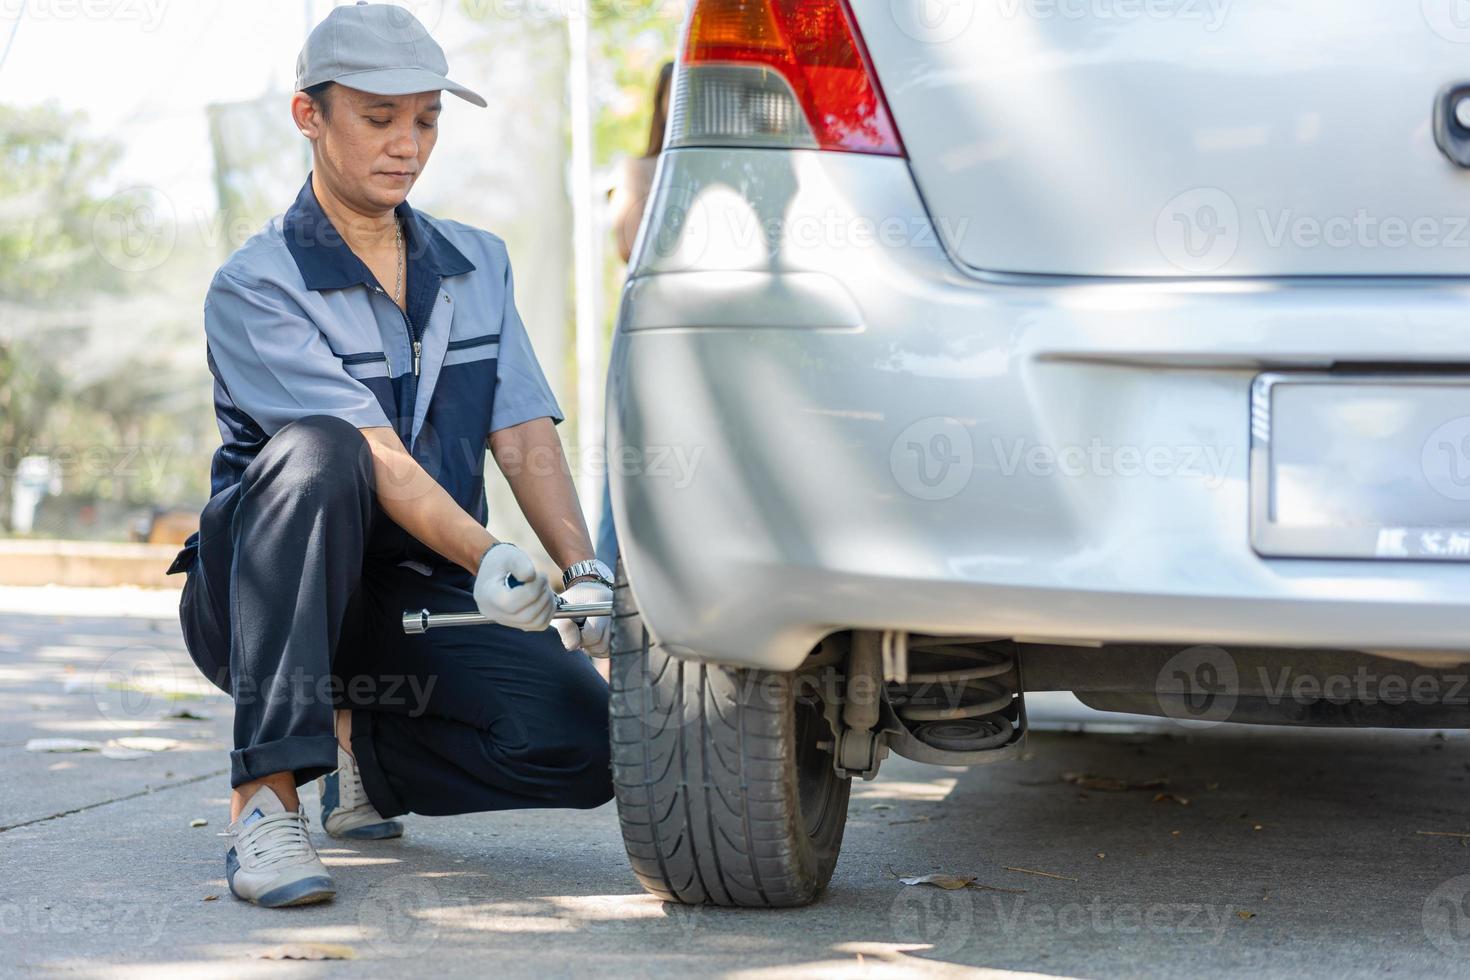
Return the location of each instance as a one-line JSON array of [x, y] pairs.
[[418, 346]]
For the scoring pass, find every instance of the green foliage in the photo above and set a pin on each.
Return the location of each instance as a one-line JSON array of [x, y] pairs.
[[29, 387], [631, 40], [87, 320], [50, 213], [76, 268]]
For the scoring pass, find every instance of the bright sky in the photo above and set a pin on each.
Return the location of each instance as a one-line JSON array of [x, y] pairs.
[[143, 71]]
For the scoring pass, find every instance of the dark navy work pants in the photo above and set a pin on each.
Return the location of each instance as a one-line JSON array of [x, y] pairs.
[[293, 605]]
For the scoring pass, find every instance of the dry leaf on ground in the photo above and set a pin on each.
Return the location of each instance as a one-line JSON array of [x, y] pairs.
[[306, 951], [947, 882], [1110, 784], [187, 714], [62, 745]]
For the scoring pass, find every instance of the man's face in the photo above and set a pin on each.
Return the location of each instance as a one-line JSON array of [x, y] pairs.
[[372, 148]]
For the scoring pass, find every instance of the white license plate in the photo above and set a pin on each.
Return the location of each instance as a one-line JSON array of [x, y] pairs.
[[1361, 466]]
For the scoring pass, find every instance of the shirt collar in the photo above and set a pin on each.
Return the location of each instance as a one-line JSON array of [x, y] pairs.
[[326, 262]]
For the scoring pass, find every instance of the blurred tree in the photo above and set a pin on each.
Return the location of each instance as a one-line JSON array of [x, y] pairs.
[[260, 160], [29, 387], [49, 210], [87, 317], [633, 39], [100, 346]]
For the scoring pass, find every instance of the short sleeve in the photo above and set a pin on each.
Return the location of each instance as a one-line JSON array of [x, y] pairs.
[[521, 391], [274, 361]]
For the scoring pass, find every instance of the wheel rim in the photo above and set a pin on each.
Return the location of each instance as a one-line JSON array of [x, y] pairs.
[[817, 782]]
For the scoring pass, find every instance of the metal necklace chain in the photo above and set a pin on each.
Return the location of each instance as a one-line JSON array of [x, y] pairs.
[[398, 269]]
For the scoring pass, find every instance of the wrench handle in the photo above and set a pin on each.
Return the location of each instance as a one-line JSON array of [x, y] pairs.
[[422, 621]]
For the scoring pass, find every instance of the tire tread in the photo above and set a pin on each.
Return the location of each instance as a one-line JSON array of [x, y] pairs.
[[705, 777]]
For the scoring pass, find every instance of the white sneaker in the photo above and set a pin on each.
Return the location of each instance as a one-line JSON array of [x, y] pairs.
[[347, 813], [271, 861]]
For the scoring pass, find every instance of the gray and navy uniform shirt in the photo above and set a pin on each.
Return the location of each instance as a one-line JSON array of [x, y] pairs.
[[297, 325]]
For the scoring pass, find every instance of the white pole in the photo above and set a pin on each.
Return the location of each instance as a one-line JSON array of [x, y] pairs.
[[587, 268], [308, 9]]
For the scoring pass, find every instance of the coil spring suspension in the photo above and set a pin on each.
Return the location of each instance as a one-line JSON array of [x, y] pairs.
[[960, 697]]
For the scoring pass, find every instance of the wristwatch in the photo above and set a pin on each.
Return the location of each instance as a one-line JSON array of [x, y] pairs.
[[590, 568]]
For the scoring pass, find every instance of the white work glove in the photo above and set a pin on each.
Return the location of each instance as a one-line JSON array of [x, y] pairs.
[[593, 634], [526, 606]]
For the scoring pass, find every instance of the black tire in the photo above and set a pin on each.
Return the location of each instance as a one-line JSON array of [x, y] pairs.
[[724, 794]]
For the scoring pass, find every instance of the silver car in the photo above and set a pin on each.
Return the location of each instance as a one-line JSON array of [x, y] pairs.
[[978, 347]]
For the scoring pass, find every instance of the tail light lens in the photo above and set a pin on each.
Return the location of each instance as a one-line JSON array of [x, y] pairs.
[[788, 73]]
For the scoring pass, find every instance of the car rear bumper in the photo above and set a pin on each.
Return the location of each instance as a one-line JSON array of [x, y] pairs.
[[820, 434]]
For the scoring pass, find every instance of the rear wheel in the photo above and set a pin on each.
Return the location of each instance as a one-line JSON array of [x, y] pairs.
[[724, 780]]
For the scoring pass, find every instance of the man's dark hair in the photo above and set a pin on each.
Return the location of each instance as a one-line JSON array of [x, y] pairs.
[[318, 95]]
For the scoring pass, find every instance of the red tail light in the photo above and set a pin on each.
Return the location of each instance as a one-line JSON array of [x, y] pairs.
[[823, 92]]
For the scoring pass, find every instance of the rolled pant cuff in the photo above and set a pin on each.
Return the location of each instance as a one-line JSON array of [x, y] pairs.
[[374, 780], [305, 756]]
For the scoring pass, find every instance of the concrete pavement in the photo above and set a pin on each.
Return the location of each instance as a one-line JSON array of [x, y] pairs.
[[1297, 854]]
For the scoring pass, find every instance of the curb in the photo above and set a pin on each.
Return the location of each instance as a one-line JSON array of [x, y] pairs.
[[86, 563]]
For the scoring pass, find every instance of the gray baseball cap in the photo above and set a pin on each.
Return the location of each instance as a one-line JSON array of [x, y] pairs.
[[377, 48]]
